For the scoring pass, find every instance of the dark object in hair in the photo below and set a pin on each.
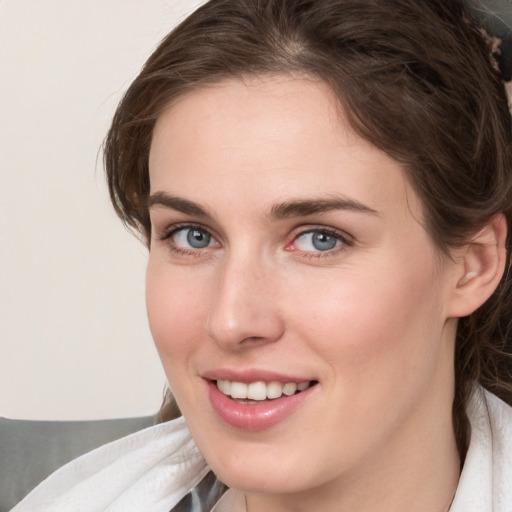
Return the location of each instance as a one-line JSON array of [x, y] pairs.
[[495, 16], [414, 77]]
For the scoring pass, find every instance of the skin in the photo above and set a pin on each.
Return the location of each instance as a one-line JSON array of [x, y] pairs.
[[371, 320]]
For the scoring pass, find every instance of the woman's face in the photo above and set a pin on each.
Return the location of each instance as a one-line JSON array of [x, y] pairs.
[[288, 252]]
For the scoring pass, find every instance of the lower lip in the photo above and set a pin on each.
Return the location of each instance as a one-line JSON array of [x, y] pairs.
[[254, 417]]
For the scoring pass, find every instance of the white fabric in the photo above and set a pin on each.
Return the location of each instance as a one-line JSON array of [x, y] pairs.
[[153, 469], [148, 471], [485, 484]]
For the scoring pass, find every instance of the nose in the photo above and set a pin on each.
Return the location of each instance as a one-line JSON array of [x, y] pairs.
[[245, 306]]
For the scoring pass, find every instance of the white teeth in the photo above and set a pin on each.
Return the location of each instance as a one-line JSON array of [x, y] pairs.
[[260, 390], [257, 391], [224, 386], [274, 389], [301, 386], [289, 388], [238, 390]]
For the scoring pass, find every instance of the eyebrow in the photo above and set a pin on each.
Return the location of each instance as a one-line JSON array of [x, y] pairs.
[[304, 207], [177, 203], [287, 209]]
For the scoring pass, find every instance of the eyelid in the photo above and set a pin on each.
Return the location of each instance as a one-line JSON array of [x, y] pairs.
[[345, 238], [172, 229], [165, 236]]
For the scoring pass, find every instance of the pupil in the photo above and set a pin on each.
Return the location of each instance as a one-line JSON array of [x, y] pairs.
[[323, 241], [198, 239]]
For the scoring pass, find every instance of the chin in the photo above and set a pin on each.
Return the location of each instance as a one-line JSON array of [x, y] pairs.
[[262, 469], [271, 479]]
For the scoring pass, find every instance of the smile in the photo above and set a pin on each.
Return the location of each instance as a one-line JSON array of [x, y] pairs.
[[260, 390], [256, 405]]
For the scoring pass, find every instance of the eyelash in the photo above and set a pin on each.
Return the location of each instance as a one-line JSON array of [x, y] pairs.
[[345, 240], [167, 235]]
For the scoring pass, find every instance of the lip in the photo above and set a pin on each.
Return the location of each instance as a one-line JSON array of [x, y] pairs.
[[256, 417], [252, 375]]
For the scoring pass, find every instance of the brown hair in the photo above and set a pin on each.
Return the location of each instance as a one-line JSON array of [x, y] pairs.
[[415, 79]]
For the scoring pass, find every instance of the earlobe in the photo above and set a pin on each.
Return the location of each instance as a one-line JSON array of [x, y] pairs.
[[480, 268]]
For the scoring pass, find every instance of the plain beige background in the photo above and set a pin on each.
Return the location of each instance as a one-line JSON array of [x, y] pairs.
[[74, 340]]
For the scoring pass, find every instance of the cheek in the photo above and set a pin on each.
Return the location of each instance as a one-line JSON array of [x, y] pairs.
[[174, 307], [379, 324], [381, 338]]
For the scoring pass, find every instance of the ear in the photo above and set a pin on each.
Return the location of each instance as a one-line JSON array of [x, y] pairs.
[[479, 268]]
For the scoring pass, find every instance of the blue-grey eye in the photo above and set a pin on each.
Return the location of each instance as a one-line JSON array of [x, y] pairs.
[[198, 239], [317, 241], [192, 238]]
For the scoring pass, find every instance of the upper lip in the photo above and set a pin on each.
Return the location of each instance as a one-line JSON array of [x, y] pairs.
[[251, 375]]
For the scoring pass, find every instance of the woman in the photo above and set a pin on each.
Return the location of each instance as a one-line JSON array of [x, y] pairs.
[[324, 188]]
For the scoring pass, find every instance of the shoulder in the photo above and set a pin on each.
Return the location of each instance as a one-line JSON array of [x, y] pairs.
[[499, 411], [500, 439], [485, 484]]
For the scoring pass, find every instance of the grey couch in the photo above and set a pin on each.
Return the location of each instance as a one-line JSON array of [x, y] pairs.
[[31, 450]]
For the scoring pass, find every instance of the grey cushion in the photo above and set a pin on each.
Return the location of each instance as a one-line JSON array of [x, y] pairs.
[[31, 450]]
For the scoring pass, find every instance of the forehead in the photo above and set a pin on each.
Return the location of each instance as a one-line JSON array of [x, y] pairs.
[[249, 112], [285, 136]]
